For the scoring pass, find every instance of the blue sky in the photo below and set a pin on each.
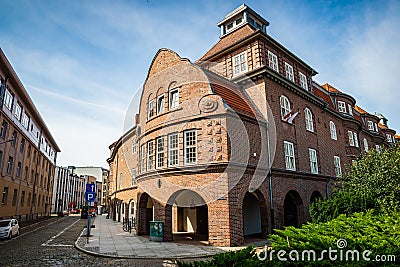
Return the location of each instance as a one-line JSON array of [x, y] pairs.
[[82, 61]]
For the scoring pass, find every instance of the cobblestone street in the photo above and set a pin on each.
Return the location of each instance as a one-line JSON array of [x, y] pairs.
[[51, 243]]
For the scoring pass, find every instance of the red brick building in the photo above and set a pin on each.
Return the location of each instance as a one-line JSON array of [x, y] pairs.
[[237, 143]]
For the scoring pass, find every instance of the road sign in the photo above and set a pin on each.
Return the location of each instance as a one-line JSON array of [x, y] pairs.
[[91, 188], [90, 196]]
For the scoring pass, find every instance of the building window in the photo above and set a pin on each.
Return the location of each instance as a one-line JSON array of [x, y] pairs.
[[173, 99], [150, 155], [273, 61], [173, 149], [10, 165], [239, 63], [378, 148], [341, 106], [18, 111], [14, 139], [371, 126], [332, 127], [3, 130], [350, 109], [389, 138], [309, 120], [14, 199], [160, 104], [120, 180], [28, 203], [22, 146], [143, 154], [356, 139], [289, 72], [338, 169], [376, 127], [313, 160], [25, 120], [289, 156], [5, 196], [22, 198], [190, 142], [134, 145], [19, 169], [303, 81], [351, 138], [160, 152], [285, 106], [150, 109], [8, 99], [365, 145], [133, 173]]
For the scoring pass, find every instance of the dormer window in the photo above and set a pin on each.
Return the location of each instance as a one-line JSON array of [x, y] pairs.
[[341, 106], [303, 81], [389, 138], [370, 126], [234, 24], [350, 109], [239, 63], [289, 72]]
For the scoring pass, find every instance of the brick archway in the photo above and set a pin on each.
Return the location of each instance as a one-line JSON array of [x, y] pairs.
[[254, 210], [315, 196], [293, 209], [144, 214]]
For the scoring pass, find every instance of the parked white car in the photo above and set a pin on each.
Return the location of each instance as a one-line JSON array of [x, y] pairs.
[[9, 228]]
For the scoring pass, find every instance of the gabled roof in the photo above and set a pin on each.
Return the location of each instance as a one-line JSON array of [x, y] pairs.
[[382, 126], [228, 40], [360, 110], [330, 88], [233, 95], [323, 95], [397, 136]]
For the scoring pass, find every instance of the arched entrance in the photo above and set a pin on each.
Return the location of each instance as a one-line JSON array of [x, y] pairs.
[[254, 212], [132, 210], [190, 215], [122, 212], [314, 196], [293, 209], [145, 214]]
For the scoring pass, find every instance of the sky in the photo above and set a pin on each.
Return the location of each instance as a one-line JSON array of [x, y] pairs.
[[82, 61]]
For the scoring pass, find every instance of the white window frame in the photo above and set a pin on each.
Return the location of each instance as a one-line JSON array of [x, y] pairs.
[[313, 160], [143, 158], [366, 145], [332, 128], [174, 98], [378, 148], [350, 109], [376, 127], [273, 61], [8, 99], [342, 106], [190, 149], [290, 160], [160, 158], [289, 72], [150, 109], [370, 126], [134, 145], [18, 111], [351, 138], [309, 120], [133, 174], [285, 106], [239, 63], [338, 168], [150, 155], [389, 138], [25, 120], [303, 81], [356, 139], [160, 105], [173, 149]]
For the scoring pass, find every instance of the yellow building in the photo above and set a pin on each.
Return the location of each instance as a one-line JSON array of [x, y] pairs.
[[28, 151]]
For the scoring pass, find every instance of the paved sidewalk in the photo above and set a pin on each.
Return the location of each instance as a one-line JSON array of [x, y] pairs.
[[109, 240]]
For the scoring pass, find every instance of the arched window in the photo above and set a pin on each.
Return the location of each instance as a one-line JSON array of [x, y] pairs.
[[309, 120], [285, 106], [333, 130], [365, 145]]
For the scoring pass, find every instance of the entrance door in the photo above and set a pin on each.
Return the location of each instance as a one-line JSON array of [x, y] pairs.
[[202, 219]]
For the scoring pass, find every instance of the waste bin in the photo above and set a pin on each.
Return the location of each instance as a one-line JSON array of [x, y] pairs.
[[156, 231]]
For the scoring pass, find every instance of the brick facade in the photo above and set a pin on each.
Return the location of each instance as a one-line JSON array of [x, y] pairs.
[[221, 186]]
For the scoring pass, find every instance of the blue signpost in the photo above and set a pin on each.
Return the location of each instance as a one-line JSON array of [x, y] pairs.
[[90, 196]]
